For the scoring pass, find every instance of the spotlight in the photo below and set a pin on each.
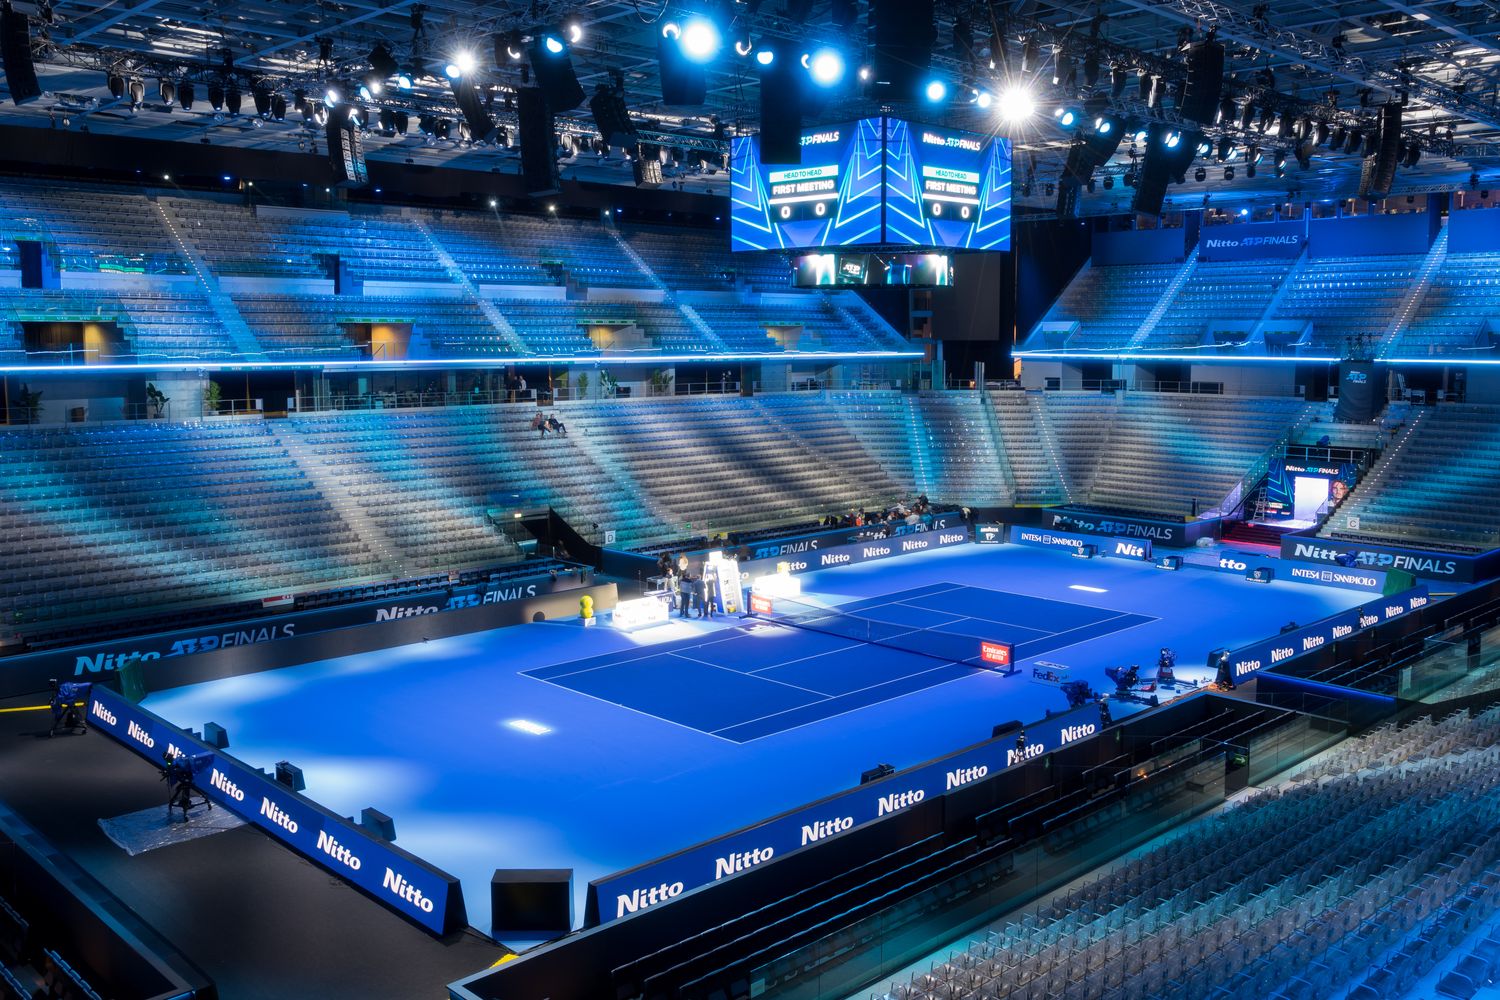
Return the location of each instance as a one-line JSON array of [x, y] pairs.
[[1229, 173], [514, 45], [982, 99], [936, 90], [1067, 117], [1336, 139], [168, 92], [1320, 134], [185, 95], [232, 99], [574, 28], [1200, 174], [1225, 150], [1119, 76], [1016, 104], [699, 39], [1247, 116], [1109, 181], [331, 97], [278, 108], [765, 57], [1103, 125], [554, 45], [116, 84], [1205, 147], [864, 74], [137, 93], [404, 79], [1413, 154], [1172, 139], [1226, 110], [1139, 137], [826, 67]]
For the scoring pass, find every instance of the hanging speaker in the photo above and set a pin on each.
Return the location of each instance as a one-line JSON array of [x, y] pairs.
[[683, 83], [780, 114], [611, 117], [1378, 172], [538, 156], [552, 63], [346, 151], [481, 125], [904, 32], [1205, 82], [15, 57]]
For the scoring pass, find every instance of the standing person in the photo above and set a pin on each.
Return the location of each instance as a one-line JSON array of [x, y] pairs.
[[682, 564], [710, 590], [684, 593]]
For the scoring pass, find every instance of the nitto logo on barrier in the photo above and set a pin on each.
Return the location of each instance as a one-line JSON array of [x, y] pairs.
[[1230, 563], [833, 559], [1034, 750], [277, 815], [899, 800], [962, 776], [1130, 529], [392, 614], [640, 899], [1279, 653], [1071, 733], [135, 732], [1129, 550], [1243, 667], [736, 863], [826, 828], [100, 662], [104, 715], [223, 784], [1342, 631], [405, 891], [1417, 565], [337, 851], [876, 551]]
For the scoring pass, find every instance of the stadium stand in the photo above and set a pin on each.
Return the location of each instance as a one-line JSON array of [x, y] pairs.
[[237, 240], [129, 517], [1029, 447], [1110, 303], [154, 325], [1346, 297], [1434, 485], [1380, 855], [316, 327], [88, 228], [699, 261], [515, 249], [1217, 290], [1169, 453], [962, 452], [1451, 319]]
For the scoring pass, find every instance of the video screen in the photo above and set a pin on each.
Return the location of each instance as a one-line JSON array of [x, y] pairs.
[[831, 270], [946, 188], [831, 199]]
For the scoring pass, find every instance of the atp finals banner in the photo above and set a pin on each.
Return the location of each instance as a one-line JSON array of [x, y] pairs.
[[426, 896], [1253, 241], [666, 879]]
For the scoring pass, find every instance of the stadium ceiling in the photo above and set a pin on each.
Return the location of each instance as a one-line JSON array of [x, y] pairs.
[[1335, 62]]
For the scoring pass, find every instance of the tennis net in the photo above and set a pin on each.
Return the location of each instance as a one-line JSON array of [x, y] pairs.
[[949, 647]]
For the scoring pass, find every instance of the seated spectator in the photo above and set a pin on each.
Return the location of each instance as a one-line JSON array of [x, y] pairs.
[[539, 423], [557, 426]]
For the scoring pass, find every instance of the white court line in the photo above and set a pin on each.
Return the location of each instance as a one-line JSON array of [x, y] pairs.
[[637, 711], [850, 711], [822, 695]]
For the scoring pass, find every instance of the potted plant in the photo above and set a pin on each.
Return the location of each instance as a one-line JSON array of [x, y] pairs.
[[583, 385], [608, 384], [212, 394], [156, 401], [31, 403]]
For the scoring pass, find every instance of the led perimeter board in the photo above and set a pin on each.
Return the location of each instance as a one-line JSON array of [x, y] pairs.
[[877, 181]]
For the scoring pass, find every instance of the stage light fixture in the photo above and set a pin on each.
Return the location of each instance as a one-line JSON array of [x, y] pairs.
[[1247, 116], [1103, 125], [331, 97], [982, 99], [826, 66], [864, 74], [1229, 173], [185, 95], [1067, 117], [574, 29], [1413, 154], [1226, 110], [765, 57], [167, 90], [1016, 104], [216, 95], [554, 45], [1205, 148], [1119, 76], [137, 89], [116, 84], [232, 98], [1225, 150], [1139, 136], [935, 91], [1200, 174], [1171, 139], [700, 39]]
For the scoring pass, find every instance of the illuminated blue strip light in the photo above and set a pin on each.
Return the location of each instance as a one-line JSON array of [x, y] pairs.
[[1206, 359], [486, 362]]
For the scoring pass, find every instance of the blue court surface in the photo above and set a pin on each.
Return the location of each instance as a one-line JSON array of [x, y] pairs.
[[554, 746], [764, 678]]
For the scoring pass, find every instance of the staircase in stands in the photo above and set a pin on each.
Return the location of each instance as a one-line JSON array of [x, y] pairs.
[[243, 338], [1436, 255], [1168, 295], [635, 258], [334, 491], [491, 311]]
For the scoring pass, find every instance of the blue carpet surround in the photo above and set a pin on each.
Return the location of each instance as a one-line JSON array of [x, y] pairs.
[[764, 678], [724, 723]]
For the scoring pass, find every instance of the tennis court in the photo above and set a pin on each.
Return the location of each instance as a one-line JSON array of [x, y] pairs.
[[768, 676]]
